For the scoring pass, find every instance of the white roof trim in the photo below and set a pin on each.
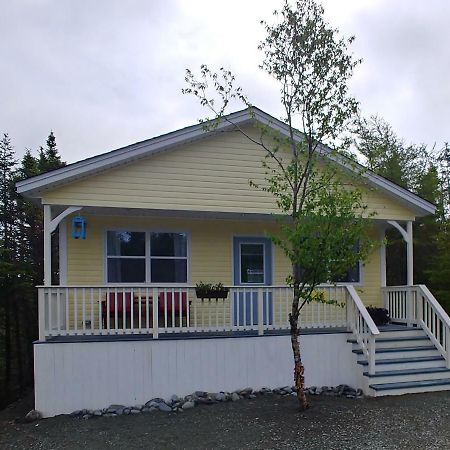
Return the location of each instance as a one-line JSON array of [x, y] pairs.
[[33, 187]]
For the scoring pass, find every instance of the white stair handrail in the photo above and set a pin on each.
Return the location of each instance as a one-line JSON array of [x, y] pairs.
[[362, 310], [441, 338], [440, 311], [363, 326]]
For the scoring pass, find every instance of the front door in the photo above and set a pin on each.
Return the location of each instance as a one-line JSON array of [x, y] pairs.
[[252, 268]]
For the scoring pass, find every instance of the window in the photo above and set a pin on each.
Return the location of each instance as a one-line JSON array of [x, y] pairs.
[[252, 263], [351, 276], [353, 273], [127, 260], [168, 258], [125, 257]]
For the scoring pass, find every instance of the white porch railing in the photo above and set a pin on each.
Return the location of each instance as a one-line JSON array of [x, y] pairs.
[[114, 309], [417, 305], [362, 326]]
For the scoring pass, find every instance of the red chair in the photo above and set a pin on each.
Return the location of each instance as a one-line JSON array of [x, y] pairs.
[[111, 308], [165, 301], [170, 305]]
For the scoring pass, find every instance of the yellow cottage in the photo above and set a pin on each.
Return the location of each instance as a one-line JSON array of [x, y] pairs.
[[140, 226]]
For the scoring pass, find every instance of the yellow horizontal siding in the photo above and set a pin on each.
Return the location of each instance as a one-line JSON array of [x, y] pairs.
[[210, 175], [211, 252]]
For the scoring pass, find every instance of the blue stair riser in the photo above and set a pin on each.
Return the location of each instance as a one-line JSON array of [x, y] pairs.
[[406, 363], [396, 334], [415, 390], [401, 353], [422, 341], [414, 377], [410, 385]]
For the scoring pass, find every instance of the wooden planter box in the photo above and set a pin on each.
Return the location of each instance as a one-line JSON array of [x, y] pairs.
[[212, 293]]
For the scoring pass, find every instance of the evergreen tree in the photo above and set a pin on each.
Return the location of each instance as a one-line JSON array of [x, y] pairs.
[[49, 158], [7, 250]]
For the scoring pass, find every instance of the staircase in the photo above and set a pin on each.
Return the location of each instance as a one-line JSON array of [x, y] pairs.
[[406, 361]]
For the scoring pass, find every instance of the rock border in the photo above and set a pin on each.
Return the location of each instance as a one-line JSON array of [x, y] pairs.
[[181, 404]]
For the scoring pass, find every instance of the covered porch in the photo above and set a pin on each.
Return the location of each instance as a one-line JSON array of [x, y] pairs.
[[205, 247], [135, 271]]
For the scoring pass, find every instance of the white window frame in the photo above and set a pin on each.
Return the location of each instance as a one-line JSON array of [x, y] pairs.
[[240, 263], [148, 256]]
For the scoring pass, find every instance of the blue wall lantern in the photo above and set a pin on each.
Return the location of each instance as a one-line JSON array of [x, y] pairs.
[[79, 227]]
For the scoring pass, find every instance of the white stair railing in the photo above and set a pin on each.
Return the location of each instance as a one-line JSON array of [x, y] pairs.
[[417, 305], [433, 319], [362, 326]]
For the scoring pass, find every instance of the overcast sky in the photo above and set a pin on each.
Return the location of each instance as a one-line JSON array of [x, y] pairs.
[[106, 73]]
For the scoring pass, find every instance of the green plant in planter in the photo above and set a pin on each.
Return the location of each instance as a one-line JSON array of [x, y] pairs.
[[210, 290]]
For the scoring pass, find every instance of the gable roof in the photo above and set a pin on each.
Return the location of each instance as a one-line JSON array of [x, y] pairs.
[[33, 187]]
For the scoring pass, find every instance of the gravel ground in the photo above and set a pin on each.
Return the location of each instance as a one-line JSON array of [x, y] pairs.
[[420, 421]]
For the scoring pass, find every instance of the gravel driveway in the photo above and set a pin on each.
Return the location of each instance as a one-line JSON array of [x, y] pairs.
[[420, 421]]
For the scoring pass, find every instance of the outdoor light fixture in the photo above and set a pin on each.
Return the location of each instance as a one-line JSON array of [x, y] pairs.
[[79, 228]]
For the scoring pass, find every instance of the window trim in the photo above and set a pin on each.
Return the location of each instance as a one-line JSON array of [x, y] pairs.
[[269, 258], [148, 232]]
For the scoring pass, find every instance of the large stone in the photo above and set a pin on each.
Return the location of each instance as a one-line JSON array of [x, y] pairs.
[[266, 390], [188, 405], [33, 415], [114, 408], [164, 407], [220, 396], [235, 397], [98, 412], [200, 394], [174, 399], [246, 391]]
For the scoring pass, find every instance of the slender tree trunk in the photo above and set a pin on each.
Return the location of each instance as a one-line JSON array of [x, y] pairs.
[[299, 368]]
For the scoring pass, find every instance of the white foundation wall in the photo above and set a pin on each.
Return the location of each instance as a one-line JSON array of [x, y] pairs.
[[93, 375]]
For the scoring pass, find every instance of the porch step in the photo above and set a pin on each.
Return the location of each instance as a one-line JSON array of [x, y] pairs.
[[417, 362], [400, 331], [398, 376], [401, 352], [410, 387], [396, 342]]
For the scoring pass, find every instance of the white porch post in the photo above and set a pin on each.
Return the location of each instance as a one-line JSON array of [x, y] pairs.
[[47, 246], [408, 238], [50, 226], [409, 254], [383, 257], [383, 266]]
